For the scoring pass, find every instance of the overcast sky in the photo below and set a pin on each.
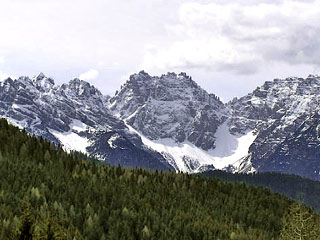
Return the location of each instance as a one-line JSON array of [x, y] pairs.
[[228, 47]]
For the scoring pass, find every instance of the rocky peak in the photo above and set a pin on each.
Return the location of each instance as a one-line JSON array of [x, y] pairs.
[[313, 76], [296, 95], [43, 83], [184, 75], [40, 76], [80, 88], [168, 106], [8, 81], [140, 77]]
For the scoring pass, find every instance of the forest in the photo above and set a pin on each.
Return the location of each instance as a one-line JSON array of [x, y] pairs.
[[295, 187], [47, 193]]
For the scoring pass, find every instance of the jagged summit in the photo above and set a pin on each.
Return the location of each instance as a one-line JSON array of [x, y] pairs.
[[167, 87], [40, 76], [169, 106], [43, 83], [313, 76], [80, 88]]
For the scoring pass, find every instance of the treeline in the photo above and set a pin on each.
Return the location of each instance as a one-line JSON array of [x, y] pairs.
[[46, 193], [295, 187]]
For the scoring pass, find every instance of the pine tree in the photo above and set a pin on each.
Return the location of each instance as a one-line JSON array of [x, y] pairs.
[[26, 228], [300, 224]]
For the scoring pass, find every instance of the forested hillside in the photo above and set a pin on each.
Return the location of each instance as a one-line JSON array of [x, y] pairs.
[[46, 193], [296, 187]]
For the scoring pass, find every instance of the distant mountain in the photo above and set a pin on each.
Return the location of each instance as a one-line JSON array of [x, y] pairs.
[[170, 122]]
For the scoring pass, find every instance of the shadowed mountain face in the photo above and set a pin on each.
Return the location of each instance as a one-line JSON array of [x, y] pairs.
[[284, 113], [171, 122]]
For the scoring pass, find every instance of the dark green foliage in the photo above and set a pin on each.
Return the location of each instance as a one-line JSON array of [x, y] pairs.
[[298, 188], [50, 194], [26, 223]]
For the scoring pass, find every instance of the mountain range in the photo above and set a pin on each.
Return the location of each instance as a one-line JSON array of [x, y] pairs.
[[170, 122]]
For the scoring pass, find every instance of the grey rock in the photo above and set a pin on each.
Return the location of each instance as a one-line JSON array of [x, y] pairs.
[[171, 106]]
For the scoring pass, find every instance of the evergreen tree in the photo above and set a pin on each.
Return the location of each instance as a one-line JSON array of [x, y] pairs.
[[300, 224], [26, 229]]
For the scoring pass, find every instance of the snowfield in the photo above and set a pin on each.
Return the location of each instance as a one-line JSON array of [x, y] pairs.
[[230, 149], [71, 141]]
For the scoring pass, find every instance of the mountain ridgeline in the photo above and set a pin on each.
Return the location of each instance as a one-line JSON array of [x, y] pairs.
[[46, 193], [170, 122]]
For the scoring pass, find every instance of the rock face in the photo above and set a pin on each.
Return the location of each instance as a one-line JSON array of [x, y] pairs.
[[276, 112], [75, 115], [299, 153], [169, 122], [171, 106]]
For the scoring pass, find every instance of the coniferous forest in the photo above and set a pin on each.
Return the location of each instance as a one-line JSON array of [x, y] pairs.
[[296, 187], [46, 193]]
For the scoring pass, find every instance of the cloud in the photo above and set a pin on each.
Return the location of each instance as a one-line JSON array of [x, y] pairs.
[[240, 38], [3, 76], [220, 43], [89, 75]]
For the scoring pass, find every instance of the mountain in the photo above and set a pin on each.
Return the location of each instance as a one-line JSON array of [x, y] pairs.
[[284, 115], [172, 114], [195, 131], [75, 115], [170, 122]]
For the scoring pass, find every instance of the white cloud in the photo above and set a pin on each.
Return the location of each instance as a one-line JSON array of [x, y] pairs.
[[89, 75], [3, 76], [2, 59], [240, 38]]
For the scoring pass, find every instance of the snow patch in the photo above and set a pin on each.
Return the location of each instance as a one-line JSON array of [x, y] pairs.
[[78, 126], [71, 141], [112, 139], [230, 149], [20, 124]]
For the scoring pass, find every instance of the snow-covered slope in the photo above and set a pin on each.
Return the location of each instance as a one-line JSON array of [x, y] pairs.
[[185, 156]]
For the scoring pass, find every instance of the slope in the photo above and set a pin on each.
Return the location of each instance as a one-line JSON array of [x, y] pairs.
[[45, 191]]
